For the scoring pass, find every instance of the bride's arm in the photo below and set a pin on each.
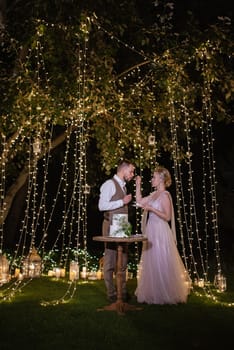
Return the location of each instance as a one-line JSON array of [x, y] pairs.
[[165, 213], [142, 201]]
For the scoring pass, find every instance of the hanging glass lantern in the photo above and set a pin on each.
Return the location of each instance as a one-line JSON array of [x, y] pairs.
[[86, 189], [37, 146], [4, 269], [32, 265], [151, 140]]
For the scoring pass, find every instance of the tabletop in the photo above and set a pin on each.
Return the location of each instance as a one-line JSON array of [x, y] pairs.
[[130, 239]]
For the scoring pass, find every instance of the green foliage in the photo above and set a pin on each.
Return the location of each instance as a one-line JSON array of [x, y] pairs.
[[82, 256], [120, 72]]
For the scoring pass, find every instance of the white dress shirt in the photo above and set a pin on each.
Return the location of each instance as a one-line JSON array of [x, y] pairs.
[[107, 191]]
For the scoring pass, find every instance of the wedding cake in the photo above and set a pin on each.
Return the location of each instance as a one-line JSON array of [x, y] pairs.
[[120, 226]]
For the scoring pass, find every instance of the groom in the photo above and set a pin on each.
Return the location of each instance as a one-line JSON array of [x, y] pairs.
[[114, 200]]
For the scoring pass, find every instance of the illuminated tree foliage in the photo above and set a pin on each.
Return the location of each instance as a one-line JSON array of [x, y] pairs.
[[111, 70]]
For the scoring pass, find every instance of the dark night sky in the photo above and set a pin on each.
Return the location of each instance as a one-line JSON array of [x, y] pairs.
[[205, 10]]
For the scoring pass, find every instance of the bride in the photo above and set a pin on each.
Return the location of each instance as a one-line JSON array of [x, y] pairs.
[[162, 277]]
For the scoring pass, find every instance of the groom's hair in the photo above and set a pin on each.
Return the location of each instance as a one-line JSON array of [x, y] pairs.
[[123, 163]]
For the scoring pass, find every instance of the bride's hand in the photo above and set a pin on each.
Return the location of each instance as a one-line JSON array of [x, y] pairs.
[[138, 180], [148, 207]]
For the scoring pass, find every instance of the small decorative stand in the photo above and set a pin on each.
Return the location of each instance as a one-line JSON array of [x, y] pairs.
[[120, 306]]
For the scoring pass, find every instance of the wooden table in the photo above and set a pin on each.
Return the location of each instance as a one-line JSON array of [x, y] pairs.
[[120, 306]]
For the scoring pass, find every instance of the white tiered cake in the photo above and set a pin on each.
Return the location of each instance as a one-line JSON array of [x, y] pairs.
[[120, 226]]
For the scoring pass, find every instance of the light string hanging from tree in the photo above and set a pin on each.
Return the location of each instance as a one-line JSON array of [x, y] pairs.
[[44, 192], [2, 191], [194, 223], [204, 263], [27, 236], [182, 213], [191, 203], [191, 225], [208, 133], [138, 154], [33, 184], [79, 190], [37, 142], [192, 214], [191, 262]]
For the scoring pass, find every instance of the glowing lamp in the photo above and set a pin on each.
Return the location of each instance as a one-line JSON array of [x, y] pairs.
[[151, 140], [201, 282], [32, 265], [37, 146], [83, 273], [220, 282], [4, 269], [99, 275], [74, 271]]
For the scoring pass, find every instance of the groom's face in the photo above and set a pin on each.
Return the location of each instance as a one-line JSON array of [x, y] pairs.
[[129, 172]]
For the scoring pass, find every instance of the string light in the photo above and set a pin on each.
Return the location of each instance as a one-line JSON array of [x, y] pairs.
[[77, 132], [2, 191]]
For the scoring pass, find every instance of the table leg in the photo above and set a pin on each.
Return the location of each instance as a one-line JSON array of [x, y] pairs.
[[120, 306]]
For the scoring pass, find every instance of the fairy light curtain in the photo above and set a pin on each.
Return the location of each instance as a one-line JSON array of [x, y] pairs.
[[196, 183], [41, 211], [196, 212], [195, 237]]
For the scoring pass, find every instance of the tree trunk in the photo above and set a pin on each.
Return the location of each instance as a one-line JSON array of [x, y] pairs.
[[17, 185]]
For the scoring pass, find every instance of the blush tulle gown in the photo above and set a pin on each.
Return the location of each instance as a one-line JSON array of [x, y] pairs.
[[162, 277]]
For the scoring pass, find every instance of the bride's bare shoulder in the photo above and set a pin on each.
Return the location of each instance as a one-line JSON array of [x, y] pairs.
[[166, 194]]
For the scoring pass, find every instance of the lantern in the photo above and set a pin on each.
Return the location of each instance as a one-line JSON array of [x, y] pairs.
[[4, 269], [151, 140], [74, 271], [37, 146], [220, 282], [83, 273], [86, 189], [201, 282], [99, 274], [32, 265]]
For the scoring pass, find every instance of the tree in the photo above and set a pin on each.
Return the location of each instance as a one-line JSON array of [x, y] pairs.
[[117, 77]]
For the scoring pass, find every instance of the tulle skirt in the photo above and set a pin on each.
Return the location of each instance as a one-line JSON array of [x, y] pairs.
[[162, 277]]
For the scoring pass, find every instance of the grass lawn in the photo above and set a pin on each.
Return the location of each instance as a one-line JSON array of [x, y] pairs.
[[26, 324]]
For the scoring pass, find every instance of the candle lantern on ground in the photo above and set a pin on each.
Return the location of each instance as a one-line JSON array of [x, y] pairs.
[[32, 265], [100, 269], [83, 273], [201, 283], [4, 268], [74, 271], [220, 282]]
